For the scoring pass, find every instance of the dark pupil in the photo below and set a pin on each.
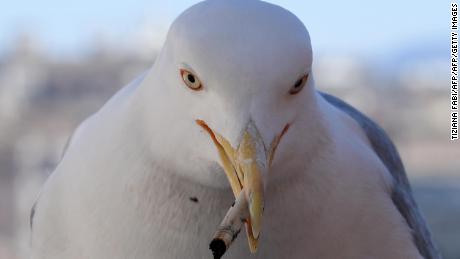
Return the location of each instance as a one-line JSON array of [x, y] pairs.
[[298, 83], [191, 78]]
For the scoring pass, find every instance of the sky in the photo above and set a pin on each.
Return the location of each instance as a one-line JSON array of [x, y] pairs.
[[353, 27]]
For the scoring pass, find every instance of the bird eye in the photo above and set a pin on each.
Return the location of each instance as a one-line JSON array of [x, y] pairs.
[[299, 84], [190, 80]]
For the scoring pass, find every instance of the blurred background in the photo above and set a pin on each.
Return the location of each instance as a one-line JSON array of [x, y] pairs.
[[61, 60]]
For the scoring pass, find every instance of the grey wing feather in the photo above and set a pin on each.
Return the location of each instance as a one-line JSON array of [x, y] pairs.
[[401, 193]]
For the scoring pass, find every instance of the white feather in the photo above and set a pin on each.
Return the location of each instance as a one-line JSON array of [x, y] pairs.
[[122, 188]]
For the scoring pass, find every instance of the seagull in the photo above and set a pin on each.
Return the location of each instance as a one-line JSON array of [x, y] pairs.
[[229, 110]]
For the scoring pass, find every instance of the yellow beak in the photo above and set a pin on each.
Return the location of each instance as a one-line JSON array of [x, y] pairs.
[[244, 167]]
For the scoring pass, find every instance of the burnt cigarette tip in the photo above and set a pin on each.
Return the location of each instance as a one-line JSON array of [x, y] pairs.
[[217, 247]]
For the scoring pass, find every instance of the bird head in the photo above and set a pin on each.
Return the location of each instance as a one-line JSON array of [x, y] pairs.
[[234, 76]]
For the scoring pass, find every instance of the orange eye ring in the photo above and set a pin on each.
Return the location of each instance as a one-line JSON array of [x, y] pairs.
[[298, 85], [191, 80]]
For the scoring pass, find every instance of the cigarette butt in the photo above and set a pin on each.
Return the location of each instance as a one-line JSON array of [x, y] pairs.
[[230, 227]]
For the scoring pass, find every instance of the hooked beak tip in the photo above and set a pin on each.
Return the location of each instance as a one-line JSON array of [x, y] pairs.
[[245, 167]]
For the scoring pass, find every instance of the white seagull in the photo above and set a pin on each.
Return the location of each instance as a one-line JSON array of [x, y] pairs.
[[229, 107]]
